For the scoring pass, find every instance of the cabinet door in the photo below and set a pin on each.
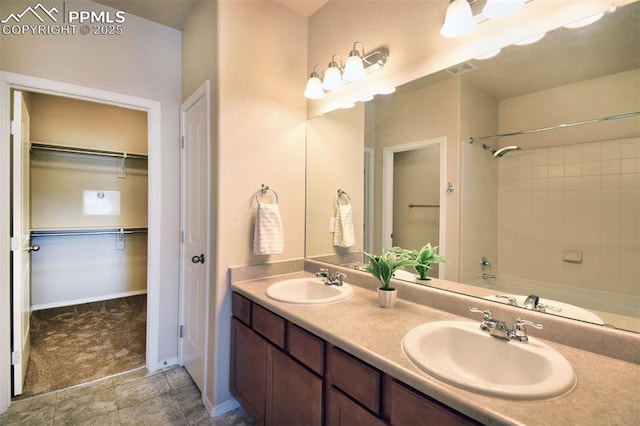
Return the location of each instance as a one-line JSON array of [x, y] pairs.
[[342, 411], [294, 394], [248, 369], [408, 407]]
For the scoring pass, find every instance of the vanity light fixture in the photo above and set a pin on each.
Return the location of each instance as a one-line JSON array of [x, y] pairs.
[[314, 85], [530, 40], [458, 21], [354, 68], [488, 55], [333, 75], [584, 22], [495, 9]]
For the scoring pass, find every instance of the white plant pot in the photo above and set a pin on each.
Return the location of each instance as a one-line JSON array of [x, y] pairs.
[[387, 298], [423, 282]]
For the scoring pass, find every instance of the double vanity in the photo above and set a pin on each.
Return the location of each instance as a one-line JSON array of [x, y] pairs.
[[328, 354]]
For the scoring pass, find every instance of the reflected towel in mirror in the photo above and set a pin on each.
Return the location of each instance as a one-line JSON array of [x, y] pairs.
[[343, 235], [268, 236]]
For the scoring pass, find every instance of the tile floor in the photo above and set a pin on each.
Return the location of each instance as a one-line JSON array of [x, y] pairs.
[[166, 397]]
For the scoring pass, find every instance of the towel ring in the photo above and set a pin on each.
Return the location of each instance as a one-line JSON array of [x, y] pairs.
[[264, 190], [341, 194]]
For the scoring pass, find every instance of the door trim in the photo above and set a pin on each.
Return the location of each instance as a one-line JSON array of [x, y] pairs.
[[203, 91], [27, 83], [387, 188]]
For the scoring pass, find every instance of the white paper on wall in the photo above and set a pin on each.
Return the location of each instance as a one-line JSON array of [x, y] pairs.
[[101, 203]]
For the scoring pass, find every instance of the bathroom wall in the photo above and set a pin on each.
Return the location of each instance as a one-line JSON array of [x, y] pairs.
[[573, 190], [143, 61], [334, 160], [410, 30], [259, 50], [425, 113], [479, 187]]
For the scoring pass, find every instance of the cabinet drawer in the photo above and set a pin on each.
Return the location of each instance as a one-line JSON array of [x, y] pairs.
[[342, 411], [241, 308], [306, 348], [409, 407], [355, 378], [269, 325]]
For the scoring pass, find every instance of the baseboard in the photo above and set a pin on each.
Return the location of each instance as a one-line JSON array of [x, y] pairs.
[[87, 300], [220, 409], [167, 363]]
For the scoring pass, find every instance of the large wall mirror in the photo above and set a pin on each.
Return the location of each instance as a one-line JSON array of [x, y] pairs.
[[558, 217]]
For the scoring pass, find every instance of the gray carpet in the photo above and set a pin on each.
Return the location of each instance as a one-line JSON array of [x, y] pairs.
[[80, 343]]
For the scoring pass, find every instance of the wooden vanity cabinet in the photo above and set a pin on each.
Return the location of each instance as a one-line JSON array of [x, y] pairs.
[[273, 387], [284, 375], [410, 407]]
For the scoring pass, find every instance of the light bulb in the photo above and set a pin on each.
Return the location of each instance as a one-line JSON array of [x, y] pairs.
[[495, 9], [314, 88], [459, 20]]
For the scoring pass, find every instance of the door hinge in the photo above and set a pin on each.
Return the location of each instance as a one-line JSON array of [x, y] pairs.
[[15, 127], [181, 331], [183, 237], [182, 142], [16, 357], [15, 243]]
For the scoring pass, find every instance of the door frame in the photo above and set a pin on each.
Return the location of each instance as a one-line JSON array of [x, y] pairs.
[[9, 81], [387, 187], [204, 91]]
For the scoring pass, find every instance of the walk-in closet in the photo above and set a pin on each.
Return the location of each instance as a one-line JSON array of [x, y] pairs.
[[87, 215]]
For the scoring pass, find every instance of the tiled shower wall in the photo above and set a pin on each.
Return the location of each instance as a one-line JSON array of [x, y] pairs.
[[566, 200]]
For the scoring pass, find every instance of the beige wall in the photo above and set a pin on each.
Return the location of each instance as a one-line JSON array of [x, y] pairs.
[[425, 113], [410, 30], [144, 62], [258, 49], [479, 184], [334, 160]]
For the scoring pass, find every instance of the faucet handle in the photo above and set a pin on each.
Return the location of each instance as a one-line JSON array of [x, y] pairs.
[[510, 299], [322, 273], [486, 314], [520, 323]]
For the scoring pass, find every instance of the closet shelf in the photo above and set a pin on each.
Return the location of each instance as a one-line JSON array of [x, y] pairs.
[[66, 232], [86, 151]]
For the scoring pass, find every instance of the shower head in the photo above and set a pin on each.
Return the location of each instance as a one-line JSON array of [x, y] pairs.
[[502, 151]]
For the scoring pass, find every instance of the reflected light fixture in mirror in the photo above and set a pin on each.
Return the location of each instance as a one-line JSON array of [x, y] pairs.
[[530, 40], [333, 75], [458, 21], [314, 85], [354, 68], [586, 21], [488, 55], [495, 9]]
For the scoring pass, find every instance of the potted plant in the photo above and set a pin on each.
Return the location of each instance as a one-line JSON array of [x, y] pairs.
[[423, 258], [382, 267]]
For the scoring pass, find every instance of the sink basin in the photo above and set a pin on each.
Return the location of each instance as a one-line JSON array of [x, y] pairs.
[[308, 291], [565, 310], [459, 353]]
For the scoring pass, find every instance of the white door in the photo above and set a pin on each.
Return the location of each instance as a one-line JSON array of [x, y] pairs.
[[195, 258], [20, 242]]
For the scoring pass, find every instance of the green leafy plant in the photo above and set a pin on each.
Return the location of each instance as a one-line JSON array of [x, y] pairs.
[[422, 259], [383, 266]]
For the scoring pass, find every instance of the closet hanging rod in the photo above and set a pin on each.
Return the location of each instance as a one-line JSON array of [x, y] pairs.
[[87, 151], [559, 126], [75, 233], [423, 205]]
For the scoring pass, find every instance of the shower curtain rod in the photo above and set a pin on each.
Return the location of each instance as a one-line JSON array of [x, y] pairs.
[[559, 126]]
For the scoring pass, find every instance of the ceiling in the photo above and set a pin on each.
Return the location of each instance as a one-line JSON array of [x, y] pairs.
[[174, 13]]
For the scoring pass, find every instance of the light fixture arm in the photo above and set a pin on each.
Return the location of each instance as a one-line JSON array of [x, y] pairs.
[[333, 63], [316, 74]]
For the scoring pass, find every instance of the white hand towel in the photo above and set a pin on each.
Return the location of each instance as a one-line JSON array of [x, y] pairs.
[[268, 237], [344, 235]]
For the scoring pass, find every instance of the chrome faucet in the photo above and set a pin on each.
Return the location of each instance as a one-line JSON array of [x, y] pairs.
[[533, 303], [330, 280], [499, 329]]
